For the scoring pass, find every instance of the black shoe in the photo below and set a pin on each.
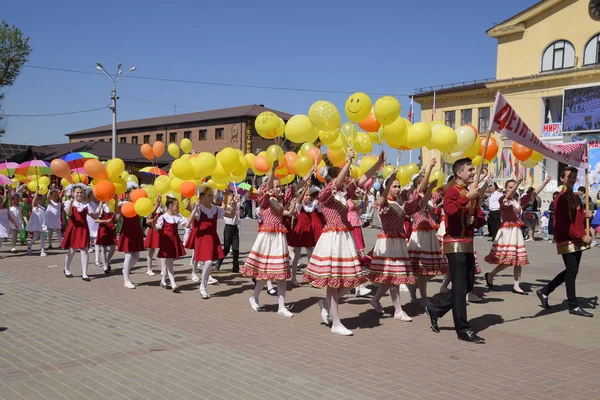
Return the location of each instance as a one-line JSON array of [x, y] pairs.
[[581, 312], [521, 293], [68, 276], [433, 319], [86, 279], [487, 281], [235, 270], [543, 298], [469, 336], [272, 292], [165, 285]]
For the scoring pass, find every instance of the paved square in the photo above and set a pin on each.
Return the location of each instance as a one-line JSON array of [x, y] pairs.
[[66, 338]]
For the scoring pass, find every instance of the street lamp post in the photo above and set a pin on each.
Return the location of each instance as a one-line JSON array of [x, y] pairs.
[[113, 98]]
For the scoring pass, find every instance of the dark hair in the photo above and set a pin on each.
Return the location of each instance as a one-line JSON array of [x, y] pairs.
[[529, 190], [555, 194], [460, 164], [508, 181], [333, 172], [581, 189], [567, 170], [170, 201]]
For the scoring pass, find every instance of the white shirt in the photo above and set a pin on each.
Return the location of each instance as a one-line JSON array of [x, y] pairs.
[[79, 206], [209, 212], [235, 220], [171, 219], [494, 201], [53, 215], [17, 215]]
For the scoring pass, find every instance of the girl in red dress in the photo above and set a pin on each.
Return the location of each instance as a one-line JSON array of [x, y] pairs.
[[77, 234], [107, 234], [204, 238], [152, 241], [131, 240], [269, 258], [170, 246], [334, 263]]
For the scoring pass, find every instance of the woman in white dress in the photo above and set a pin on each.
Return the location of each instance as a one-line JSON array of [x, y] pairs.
[[53, 217], [37, 225]]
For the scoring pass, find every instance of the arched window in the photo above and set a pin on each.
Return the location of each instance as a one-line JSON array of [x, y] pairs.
[[559, 55], [591, 54]]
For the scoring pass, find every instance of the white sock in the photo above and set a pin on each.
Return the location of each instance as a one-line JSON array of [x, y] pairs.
[[205, 274]]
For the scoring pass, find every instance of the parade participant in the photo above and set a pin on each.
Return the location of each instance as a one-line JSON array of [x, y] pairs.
[[269, 258], [152, 241], [271, 291], [204, 238], [170, 247], [529, 205], [390, 264], [424, 247], [494, 208], [334, 263], [53, 216], [16, 212], [356, 206], [77, 234], [231, 234], [107, 234], [93, 225], [6, 220], [458, 248], [37, 225], [131, 238], [571, 240], [509, 249]]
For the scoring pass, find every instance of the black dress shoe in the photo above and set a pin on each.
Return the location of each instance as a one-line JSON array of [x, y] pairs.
[[69, 275], [87, 279], [521, 293], [581, 312], [433, 319], [469, 336], [487, 281], [543, 298], [107, 271]]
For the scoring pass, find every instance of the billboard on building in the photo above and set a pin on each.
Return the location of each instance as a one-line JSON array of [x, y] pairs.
[[581, 109]]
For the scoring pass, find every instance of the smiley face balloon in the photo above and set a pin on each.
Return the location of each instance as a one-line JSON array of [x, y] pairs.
[[358, 106]]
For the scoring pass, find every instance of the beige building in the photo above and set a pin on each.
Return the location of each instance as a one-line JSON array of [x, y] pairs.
[[551, 46], [209, 131]]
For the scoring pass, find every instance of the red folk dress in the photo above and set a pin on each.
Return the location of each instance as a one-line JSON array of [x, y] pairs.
[[77, 234], [152, 240], [269, 258], [170, 242], [509, 244], [107, 232], [131, 237], [334, 261], [303, 234], [569, 223], [204, 239]]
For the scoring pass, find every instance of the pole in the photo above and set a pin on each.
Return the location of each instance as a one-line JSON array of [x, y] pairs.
[[113, 107], [587, 201], [473, 204]]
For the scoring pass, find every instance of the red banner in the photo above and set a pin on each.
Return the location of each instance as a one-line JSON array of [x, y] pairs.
[[507, 123]]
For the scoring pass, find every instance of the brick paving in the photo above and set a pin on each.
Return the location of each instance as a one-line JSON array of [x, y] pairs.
[[66, 338]]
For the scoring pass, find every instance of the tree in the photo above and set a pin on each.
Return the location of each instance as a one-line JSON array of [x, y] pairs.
[[14, 52]]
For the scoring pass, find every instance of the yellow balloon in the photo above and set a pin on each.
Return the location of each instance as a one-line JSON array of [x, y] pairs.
[[175, 184], [219, 172], [336, 157], [186, 145], [412, 169], [538, 157], [299, 129], [151, 192], [328, 137], [268, 125], [228, 157], [349, 132], [355, 172], [274, 152], [358, 107], [387, 171], [387, 110], [444, 139], [173, 150], [183, 169], [530, 162], [465, 137], [450, 158], [114, 168], [418, 135], [111, 205], [32, 186], [366, 163], [244, 164], [305, 148], [63, 182], [395, 133], [324, 115], [476, 160], [44, 180], [120, 185], [143, 207], [211, 184], [125, 175], [287, 179], [438, 175], [281, 128], [221, 186], [362, 143], [376, 137], [162, 184], [473, 150], [250, 160], [303, 165], [403, 176], [239, 178], [204, 164], [185, 213], [132, 178]]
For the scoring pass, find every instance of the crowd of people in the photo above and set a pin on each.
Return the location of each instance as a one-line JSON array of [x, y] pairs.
[[427, 230]]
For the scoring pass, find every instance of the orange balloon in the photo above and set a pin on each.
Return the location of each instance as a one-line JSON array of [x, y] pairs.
[[261, 164], [319, 176], [315, 154], [290, 161], [491, 151], [521, 152], [60, 168], [370, 124], [95, 169], [158, 148], [281, 172], [137, 194], [104, 190], [128, 209], [187, 189], [147, 151]]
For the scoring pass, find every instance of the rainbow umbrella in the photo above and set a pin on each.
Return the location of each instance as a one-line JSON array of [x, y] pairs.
[[8, 168], [33, 167], [78, 158], [153, 171], [5, 180]]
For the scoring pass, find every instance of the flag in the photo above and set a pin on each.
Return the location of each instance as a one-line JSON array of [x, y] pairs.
[[531, 175], [410, 110], [433, 109], [549, 117], [503, 164], [509, 166]]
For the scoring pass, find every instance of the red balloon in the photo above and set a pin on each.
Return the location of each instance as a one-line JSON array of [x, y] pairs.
[[187, 189], [104, 191], [128, 210], [522, 153], [137, 194]]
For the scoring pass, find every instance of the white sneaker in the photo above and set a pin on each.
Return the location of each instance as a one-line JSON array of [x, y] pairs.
[[254, 305], [212, 281], [43, 254], [473, 298], [594, 243], [285, 313], [324, 312], [341, 330], [195, 278], [91, 250], [150, 273], [403, 288], [129, 285], [362, 291], [13, 250]]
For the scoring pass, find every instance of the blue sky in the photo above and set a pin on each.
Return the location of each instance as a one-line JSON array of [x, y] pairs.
[[390, 47]]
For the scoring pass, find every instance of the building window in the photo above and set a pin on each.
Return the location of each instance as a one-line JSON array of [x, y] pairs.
[[102, 140], [187, 134], [591, 54], [123, 140], [450, 118], [484, 119], [172, 137], [219, 133], [559, 55], [202, 134], [146, 138], [134, 139], [159, 137], [466, 117]]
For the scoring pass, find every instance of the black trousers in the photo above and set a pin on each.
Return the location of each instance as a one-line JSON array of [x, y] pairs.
[[248, 209], [493, 223], [568, 277], [462, 276]]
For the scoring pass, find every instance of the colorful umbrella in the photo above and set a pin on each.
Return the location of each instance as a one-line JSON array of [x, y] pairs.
[[5, 180], [77, 159], [33, 167], [8, 168], [153, 171]]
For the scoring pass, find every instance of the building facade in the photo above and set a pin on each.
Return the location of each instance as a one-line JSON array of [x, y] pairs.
[[209, 131], [552, 46]]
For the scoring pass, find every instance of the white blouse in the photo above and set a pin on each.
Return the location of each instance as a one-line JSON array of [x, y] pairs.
[[170, 219]]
